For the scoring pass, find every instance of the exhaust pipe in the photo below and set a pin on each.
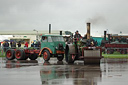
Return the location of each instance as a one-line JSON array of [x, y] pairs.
[[49, 28], [104, 35], [88, 30], [60, 32]]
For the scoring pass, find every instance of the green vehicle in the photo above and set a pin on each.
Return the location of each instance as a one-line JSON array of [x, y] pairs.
[[52, 45]]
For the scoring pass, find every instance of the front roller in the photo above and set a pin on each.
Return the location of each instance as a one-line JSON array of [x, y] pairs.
[[92, 55], [70, 54]]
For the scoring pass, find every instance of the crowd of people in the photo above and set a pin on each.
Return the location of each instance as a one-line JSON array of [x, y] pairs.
[[35, 43], [13, 44]]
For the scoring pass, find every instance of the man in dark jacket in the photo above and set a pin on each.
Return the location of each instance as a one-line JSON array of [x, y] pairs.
[[19, 44], [5, 45], [77, 35]]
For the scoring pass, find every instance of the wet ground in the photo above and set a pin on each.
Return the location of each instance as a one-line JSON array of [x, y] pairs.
[[38, 72]]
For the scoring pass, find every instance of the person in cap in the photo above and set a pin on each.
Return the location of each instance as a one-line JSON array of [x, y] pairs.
[[77, 35]]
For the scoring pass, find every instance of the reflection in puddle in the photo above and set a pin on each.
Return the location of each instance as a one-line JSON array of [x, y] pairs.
[[20, 63], [70, 74], [112, 71]]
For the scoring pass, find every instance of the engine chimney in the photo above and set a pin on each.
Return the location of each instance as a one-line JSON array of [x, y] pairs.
[[104, 35], [49, 28], [60, 32], [88, 30]]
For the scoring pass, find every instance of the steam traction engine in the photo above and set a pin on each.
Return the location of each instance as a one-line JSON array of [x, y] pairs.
[[115, 44], [85, 50]]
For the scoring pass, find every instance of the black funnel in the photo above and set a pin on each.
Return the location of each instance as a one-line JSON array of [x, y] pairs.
[[104, 35]]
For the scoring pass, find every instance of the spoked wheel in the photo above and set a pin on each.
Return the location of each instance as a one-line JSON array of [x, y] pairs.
[[10, 54], [60, 57], [46, 55], [33, 56], [20, 54]]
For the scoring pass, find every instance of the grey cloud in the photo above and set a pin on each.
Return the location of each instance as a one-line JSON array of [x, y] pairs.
[[69, 15]]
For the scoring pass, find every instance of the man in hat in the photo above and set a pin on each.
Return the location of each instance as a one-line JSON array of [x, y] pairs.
[[77, 35]]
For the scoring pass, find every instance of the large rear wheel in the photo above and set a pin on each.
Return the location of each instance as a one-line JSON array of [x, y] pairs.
[[46, 55], [20, 54], [10, 54], [69, 54]]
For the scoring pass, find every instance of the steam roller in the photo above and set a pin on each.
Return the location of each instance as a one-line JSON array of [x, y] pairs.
[[85, 49]]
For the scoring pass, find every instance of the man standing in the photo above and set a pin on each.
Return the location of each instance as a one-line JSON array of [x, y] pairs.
[[77, 35], [19, 44]]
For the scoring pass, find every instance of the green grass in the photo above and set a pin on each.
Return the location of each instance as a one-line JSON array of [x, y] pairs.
[[115, 55]]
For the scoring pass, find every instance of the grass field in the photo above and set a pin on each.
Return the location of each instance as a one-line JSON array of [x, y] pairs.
[[115, 55]]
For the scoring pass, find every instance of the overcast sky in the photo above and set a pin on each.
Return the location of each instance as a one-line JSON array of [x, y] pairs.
[[65, 15]]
